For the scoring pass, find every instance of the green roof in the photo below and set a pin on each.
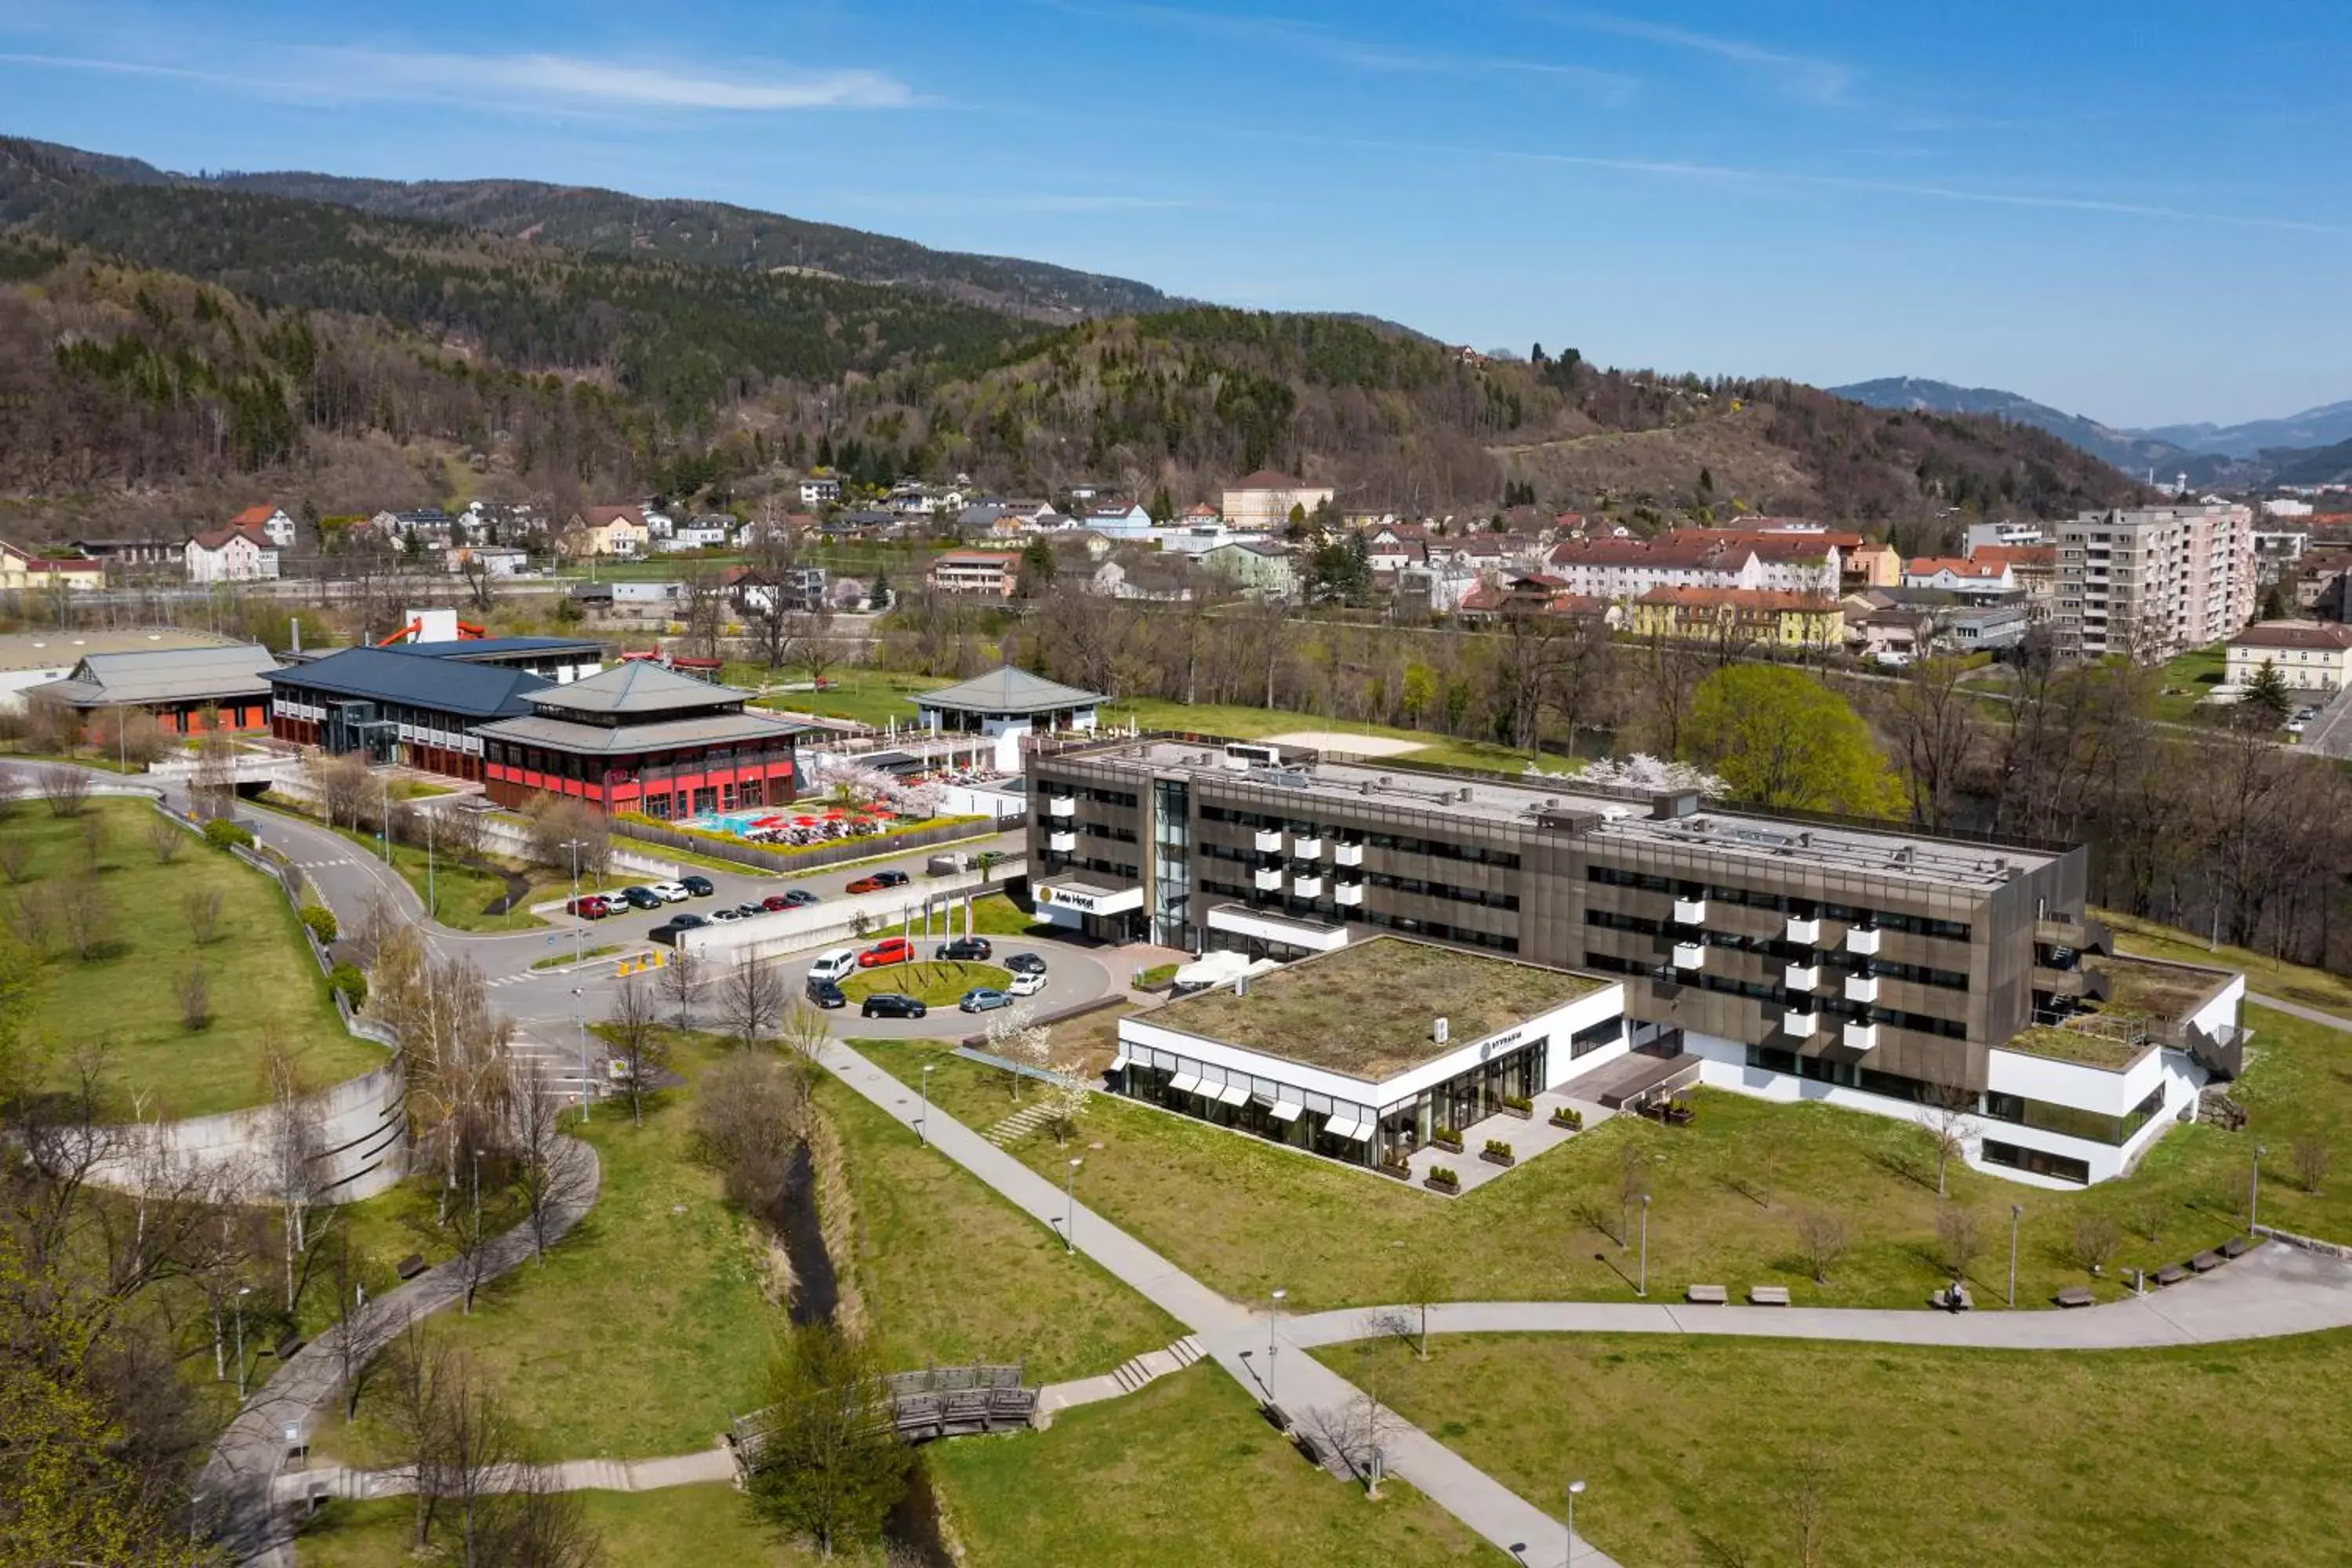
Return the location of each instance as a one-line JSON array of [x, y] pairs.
[[1369, 1010]]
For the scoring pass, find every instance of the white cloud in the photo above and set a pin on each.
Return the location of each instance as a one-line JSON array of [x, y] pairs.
[[1806, 77], [592, 83]]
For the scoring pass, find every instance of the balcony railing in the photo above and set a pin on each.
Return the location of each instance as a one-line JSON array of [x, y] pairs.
[[1690, 955], [1862, 988], [1267, 842], [1348, 895], [1861, 940], [1306, 887], [1861, 1037], [1309, 848], [1268, 879], [1061, 806], [1802, 976], [1804, 929], [1347, 854], [1799, 1026]]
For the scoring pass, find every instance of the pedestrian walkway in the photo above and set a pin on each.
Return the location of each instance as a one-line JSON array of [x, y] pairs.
[[712, 1466], [1135, 1373], [1020, 1124]]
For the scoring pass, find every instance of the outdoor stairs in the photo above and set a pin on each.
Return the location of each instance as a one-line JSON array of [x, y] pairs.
[[1153, 1364], [1020, 1124]]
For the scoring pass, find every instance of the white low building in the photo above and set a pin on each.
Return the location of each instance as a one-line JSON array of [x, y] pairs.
[[2309, 656], [1007, 705]]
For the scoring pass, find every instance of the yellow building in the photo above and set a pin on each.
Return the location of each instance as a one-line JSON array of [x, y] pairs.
[[607, 530], [1748, 615], [22, 571]]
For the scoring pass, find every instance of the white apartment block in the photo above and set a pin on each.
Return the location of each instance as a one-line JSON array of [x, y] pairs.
[[2153, 581]]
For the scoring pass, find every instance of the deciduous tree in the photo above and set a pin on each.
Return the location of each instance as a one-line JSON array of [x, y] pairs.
[[1781, 739]]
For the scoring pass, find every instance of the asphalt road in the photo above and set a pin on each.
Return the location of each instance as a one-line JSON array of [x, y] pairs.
[[2330, 734]]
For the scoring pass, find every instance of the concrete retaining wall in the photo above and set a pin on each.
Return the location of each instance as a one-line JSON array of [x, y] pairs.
[[832, 923]]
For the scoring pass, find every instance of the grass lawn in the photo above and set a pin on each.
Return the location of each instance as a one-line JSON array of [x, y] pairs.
[[933, 984], [646, 1327], [859, 694], [461, 894], [1244, 1217], [948, 1272], [1182, 1474], [559, 960], [262, 980], [1927, 1456], [2187, 680], [998, 915], [2273, 977], [682, 1527], [1240, 723]]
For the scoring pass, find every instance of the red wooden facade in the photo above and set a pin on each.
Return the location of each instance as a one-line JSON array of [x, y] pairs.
[[664, 785]]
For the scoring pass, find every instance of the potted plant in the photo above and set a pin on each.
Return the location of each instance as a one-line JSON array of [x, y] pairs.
[[1498, 1153], [1448, 1138], [1442, 1179], [1513, 1105], [1567, 1118], [1400, 1169]]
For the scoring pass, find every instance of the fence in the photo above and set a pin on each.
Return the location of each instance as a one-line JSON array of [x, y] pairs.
[[823, 855]]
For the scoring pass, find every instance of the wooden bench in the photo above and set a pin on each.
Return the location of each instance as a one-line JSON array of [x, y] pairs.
[[1953, 1298], [2236, 1246], [1707, 1295], [1308, 1447], [2073, 1295], [287, 1346], [1768, 1295], [1274, 1416], [2204, 1263], [410, 1267], [2171, 1274]]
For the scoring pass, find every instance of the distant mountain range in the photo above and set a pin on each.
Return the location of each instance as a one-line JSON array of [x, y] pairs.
[[2310, 447]]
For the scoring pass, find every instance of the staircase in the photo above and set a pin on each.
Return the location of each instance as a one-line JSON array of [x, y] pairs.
[[1020, 1124], [1153, 1364]]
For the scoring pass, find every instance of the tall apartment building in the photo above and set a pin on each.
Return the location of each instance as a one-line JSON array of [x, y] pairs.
[[1809, 958], [2153, 581]]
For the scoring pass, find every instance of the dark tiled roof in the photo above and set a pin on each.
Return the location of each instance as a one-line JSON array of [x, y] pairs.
[[1008, 690], [637, 687], [484, 649], [380, 674]]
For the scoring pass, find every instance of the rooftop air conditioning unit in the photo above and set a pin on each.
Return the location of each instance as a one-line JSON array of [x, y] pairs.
[[1444, 1030]]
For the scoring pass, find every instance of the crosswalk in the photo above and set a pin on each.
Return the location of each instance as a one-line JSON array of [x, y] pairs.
[[322, 865]]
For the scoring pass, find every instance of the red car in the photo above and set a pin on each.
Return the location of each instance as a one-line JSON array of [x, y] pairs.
[[593, 907], [896, 950], [864, 885]]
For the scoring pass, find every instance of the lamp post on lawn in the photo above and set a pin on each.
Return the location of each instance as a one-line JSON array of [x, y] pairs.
[[923, 1126], [387, 819], [1643, 1288], [574, 846], [2016, 1213], [1273, 1319], [580, 1022], [2254, 1192], [1069, 1189], [1575, 1490], [242, 1292], [432, 901]]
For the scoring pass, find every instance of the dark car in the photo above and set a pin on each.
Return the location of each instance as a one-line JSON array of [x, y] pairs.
[[687, 922], [1025, 964], [799, 898], [701, 887], [891, 879], [826, 993], [891, 1004], [748, 910], [965, 950], [642, 897]]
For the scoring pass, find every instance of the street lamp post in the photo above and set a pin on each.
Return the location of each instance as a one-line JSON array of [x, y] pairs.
[[242, 1292], [1069, 1194], [580, 1022], [1273, 1319], [923, 1127], [2016, 1213], [432, 901], [574, 844], [387, 819], [1643, 1288], [1575, 1490], [2254, 1191]]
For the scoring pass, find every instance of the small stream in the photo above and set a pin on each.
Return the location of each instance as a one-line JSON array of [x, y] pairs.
[[817, 1288]]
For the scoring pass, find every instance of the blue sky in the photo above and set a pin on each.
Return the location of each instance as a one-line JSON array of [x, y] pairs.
[[2135, 212]]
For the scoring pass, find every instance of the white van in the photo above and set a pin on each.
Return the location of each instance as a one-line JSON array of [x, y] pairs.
[[838, 964]]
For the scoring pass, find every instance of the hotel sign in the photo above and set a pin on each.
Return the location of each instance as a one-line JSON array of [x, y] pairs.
[[1087, 901]]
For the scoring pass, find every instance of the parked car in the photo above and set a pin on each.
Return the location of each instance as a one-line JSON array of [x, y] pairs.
[[671, 892], [592, 907], [726, 916], [984, 999], [839, 964], [1026, 984], [825, 993], [776, 902], [891, 879], [889, 951], [642, 897], [965, 950], [869, 884], [687, 922], [800, 898], [891, 1004], [1025, 964], [701, 887]]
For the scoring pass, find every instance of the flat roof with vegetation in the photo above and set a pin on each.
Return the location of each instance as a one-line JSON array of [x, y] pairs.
[[2143, 996], [2148, 988], [2112, 1053], [1369, 1009]]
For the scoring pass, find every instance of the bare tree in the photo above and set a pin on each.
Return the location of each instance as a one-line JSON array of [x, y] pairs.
[[2096, 1236], [16, 859], [1424, 1282], [66, 791], [552, 1175], [751, 1119], [93, 844], [1934, 721], [2312, 1160], [212, 791], [341, 785], [750, 998], [1946, 1120], [202, 909], [554, 824], [679, 979], [1807, 1494], [1821, 1241], [83, 914], [806, 1034], [632, 1029], [165, 839], [290, 1147], [1766, 1148], [346, 1337], [194, 989], [1960, 1236], [418, 1374]]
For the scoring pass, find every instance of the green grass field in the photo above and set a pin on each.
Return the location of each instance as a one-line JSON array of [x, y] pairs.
[[684, 1527], [1694, 1449], [262, 981], [2185, 681], [1182, 1474], [859, 694], [931, 982], [1246, 1218], [1241, 723], [460, 895]]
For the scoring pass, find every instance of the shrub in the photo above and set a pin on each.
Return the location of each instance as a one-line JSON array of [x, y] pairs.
[[195, 992], [220, 833], [1447, 1135], [1444, 1176], [1516, 1103], [1499, 1148], [1568, 1116], [348, 981], [322, 921]]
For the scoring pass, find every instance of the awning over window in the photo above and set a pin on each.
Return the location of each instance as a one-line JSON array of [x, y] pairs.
[[1185, 1083], [1232, 1094], [1117, 1062], [1284, 1111], [1344, 1127]]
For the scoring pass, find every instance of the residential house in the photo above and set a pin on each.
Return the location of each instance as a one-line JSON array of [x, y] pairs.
[[22, 571], [708, 531], [1977, 581], [1887, 634], [1260, 567], [270, 521], [2321, 585], [754, 592], [494, 560], [1200, 514], [2310, 656], [2025, 534], [429, 527], [1625, 569], [133, 556], [1766, 616], [1870, 565], [1979, 627], [1264, 500], [2034, 567], [607, 530], [1133, 573], [820, 489], [231, 555], [992, 573], [2153, 581]]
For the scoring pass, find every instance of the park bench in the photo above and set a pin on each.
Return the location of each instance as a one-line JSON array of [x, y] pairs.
[[2074, 1296], [2204, 1263], [1707, 1295], [410, 1267], [1768, 1295], [1953, 1298], [2171, 1274], [2236, 1246], [287, 1345], [1274, 1416], [1308, 1447]]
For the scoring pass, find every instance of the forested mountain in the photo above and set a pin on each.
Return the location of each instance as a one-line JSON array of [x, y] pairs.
[[706, 234], [164, 333], [2132, 451]]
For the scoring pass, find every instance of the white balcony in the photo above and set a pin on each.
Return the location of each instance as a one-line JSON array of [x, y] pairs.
[[1802, 1025], [1689, 912], [1805, 932], [1062, 843], [1061, 806], [1801, 977], [1862, 987], [1306, 887], [1863, 940], [1307, 848], [1347, 854], [1861, 1037], [1690, 955], [1268, 881], [1348, 895], [1267, 842]]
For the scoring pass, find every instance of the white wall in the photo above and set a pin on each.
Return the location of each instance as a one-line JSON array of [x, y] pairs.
[[832, 922], [362, 1136]]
